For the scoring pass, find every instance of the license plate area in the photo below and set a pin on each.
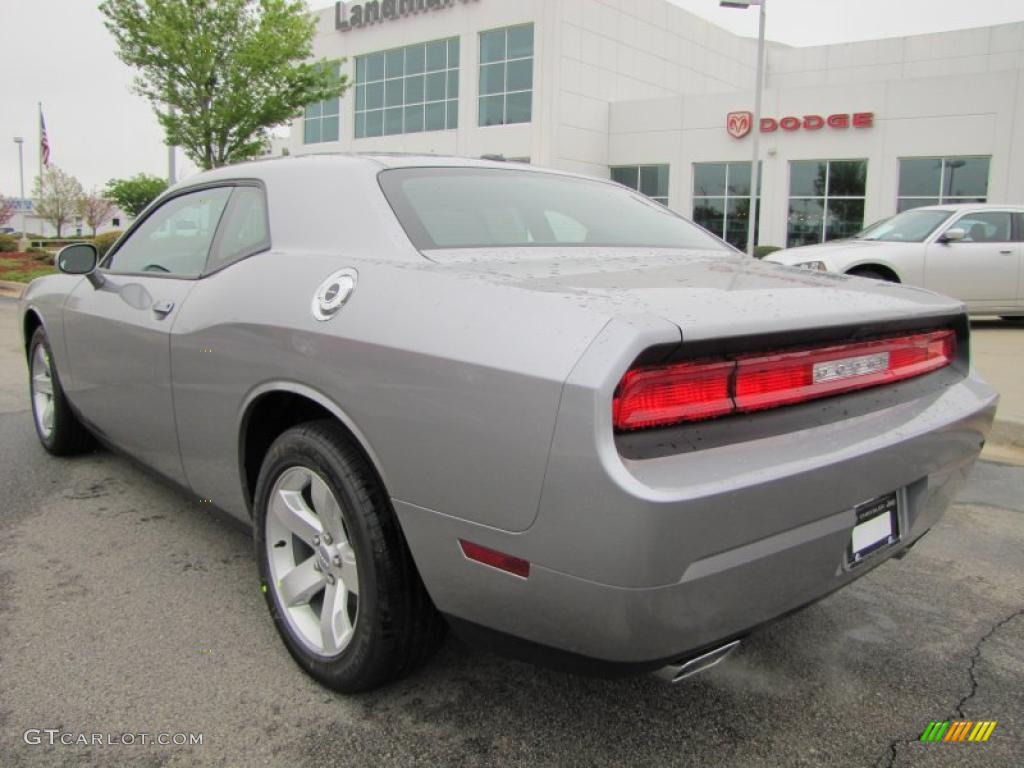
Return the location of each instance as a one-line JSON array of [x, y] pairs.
[[876, 527]]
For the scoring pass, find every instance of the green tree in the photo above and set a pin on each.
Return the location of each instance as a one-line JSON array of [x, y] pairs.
[[220, 73], [134, 194], [55, 197]]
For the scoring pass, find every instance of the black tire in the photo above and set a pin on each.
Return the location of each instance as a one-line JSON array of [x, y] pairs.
[[874, 275], [68, 436], [397, 627], [1014, 319]]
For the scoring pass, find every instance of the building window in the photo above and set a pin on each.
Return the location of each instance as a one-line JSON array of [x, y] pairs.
[[320, 121], [506, 75], [650, 180], [935, 180], [721, 200], [408, 90], [826, 200]]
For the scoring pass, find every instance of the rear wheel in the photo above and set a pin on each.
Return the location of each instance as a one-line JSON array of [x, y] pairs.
[[336, 572], [59, 430]]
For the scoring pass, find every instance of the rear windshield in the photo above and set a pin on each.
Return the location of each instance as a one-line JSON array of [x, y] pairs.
[[497, 208]]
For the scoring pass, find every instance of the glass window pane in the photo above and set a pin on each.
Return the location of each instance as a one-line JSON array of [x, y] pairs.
[[737, 220], [906, 203], [520, 41], [360, 125], [709, 178], [492, 46], [967, 176], [360, 69], [845, 218], [311, 131], [654, 180], [375, 96], [330, 107], [453, 52], [437, 56], [314, 110], [375, 123], [435, 116], [492, 79], [375, 66], [519, 107], [453, 84], [244, 230], [329, 131], [453, 114], [393, 94], [360, 98], [988, 227], [436, 86], [414, 89], [919, 176], [520, 75], [739, 179], [415, 59], [628, 175], [492, 110], [414, 119], [847, 178], [709, 212], [395, 63], [806, 178], [392, 121], [804, 224]]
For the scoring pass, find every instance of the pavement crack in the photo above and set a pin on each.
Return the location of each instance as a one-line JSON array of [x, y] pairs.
[[888, 759], [976, 655]]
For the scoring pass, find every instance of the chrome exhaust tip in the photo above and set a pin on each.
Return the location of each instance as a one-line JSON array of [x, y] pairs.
[[673, 673]]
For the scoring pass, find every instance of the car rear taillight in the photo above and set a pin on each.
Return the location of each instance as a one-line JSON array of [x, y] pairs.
[[653, 396]]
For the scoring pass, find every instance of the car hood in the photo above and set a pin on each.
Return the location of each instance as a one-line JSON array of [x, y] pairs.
[[708, 294], [845, 250]]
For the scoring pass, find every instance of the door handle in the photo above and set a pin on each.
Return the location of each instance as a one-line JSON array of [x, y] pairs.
[[1006, 251], [163, 308]]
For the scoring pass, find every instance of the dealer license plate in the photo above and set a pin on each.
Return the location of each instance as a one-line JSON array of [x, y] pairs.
[[877, 526]]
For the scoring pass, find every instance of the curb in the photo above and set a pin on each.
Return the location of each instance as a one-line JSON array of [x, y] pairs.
[[11, 289], [1005, 443]]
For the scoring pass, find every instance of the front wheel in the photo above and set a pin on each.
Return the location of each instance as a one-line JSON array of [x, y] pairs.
[[59, 430], [337, 574]]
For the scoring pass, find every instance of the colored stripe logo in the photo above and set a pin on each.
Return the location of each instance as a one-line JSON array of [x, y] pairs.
[[958, 730]]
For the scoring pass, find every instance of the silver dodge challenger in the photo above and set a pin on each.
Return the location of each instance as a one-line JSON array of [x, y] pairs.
[[537, 408]]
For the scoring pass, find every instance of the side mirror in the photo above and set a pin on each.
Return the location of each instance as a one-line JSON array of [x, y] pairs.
[[80, 259], [952, 235]]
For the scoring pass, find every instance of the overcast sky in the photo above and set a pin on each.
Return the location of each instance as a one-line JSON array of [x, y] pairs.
[[58, 52]]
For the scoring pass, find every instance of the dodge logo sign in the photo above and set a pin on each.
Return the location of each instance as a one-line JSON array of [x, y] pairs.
[[738, 123]]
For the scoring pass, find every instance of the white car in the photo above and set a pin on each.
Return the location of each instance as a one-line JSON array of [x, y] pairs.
[[972, 252]]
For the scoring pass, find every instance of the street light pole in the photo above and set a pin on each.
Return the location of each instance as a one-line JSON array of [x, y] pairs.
[[20, 140], [755, 168]]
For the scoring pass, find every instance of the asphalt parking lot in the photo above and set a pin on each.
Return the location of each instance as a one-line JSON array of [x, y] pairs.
[[127, 607]]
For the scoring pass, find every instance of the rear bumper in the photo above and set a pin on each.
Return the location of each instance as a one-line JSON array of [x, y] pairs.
[[641, 562]]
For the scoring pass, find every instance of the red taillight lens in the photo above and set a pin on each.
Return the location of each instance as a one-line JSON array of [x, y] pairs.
[[671, 394], [647, 397]]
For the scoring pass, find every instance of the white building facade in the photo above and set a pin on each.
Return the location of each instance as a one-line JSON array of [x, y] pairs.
[[648, 94]]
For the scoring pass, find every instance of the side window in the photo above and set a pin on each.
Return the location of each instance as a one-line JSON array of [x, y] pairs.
[[175, 239], [988, 227], [1019, 223], [245, 229]]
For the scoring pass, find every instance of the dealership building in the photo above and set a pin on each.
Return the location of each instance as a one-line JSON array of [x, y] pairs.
[[650, 95]]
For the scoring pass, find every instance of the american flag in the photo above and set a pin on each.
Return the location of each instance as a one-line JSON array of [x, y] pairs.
[[44, 142]]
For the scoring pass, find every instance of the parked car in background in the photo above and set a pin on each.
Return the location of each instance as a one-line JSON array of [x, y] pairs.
[[972, 252], [537, 407]]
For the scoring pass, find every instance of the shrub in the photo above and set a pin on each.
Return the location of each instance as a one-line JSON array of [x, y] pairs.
[[105, 240], [8, 243], [761, 251]]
